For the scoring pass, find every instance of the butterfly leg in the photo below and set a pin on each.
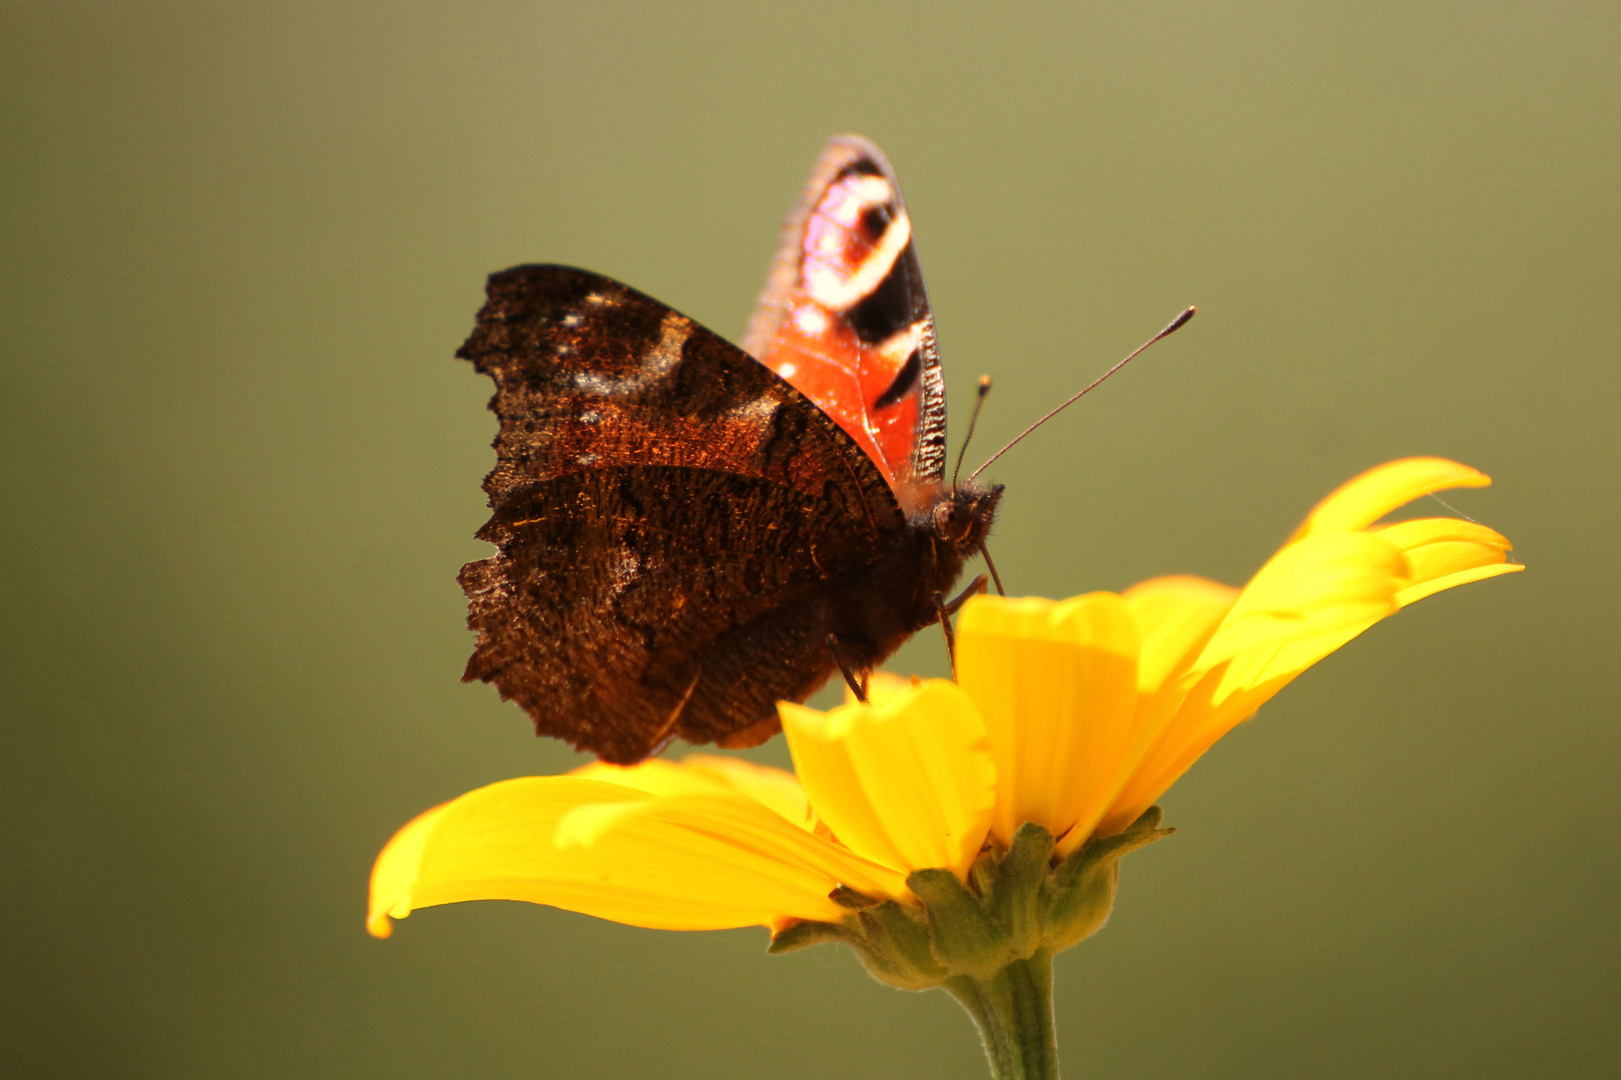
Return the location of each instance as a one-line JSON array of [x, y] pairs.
[[663, 736], [940, 607], [946, 611], [975, 588], [857, 687]]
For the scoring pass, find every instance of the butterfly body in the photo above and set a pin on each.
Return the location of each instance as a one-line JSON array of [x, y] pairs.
[[682, 529]]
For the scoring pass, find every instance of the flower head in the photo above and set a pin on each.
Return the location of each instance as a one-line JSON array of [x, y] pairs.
[[1070, 718]]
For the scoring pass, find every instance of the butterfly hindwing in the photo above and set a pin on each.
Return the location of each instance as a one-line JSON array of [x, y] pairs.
[[845, 316], [678, 528]]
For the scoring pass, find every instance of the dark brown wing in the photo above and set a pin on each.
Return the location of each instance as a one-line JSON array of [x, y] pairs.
[[845, 316], [675, 523]]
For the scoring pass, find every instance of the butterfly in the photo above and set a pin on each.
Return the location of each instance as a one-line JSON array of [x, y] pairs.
[[688, 531]]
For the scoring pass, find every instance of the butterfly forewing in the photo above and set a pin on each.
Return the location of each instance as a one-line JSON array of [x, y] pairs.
[[668, 515], [845, 316]]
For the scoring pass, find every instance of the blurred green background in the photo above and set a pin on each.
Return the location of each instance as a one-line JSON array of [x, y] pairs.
[[240, 242]]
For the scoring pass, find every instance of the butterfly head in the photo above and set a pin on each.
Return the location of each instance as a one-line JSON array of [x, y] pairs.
[[962, 516]]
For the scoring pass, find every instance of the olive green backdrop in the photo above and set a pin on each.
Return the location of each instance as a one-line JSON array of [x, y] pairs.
[[239, 243]]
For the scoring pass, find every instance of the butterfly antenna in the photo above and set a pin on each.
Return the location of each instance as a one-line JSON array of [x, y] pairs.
[[1175, 324], [973, 421]]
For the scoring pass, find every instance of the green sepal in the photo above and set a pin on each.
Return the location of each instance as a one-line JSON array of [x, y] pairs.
[[1015, 896], [1015, 907], [893, 942], [964, 937], [1081, 891], [982, 874], [802, 935]]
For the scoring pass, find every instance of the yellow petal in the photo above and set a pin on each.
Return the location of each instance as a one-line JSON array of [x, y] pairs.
[[1447, 581], [655, 776], [1361, 501], [394, 873], [1417, 533], [683, 862], [1201, 720], [1057, 686], [882, 686], [906, 781], [711, 835], [778, 789], [1446, 552], [1244, 678], [699, 774], [1312, 587], [1175, 618], [1312, 597]]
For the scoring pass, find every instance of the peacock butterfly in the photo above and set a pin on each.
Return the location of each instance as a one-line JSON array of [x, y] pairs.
[[689, 531]]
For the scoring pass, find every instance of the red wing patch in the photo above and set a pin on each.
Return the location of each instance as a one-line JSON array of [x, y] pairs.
[[845, 316]]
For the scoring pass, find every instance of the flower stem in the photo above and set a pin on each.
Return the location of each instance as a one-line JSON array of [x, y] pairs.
[[1014, 1012]]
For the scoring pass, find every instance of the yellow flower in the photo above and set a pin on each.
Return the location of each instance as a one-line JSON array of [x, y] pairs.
[[1073, 715]]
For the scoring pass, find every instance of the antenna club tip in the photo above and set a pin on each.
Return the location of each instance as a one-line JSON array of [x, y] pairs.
[[984, 385], [1179, 322]]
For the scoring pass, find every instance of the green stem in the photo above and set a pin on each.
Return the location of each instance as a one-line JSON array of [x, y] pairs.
[[1014, 1012]]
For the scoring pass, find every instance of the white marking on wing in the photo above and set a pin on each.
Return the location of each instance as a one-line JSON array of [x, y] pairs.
[[898, 346], [831, 288], [656, 363], [758, 410], [810, 321]]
